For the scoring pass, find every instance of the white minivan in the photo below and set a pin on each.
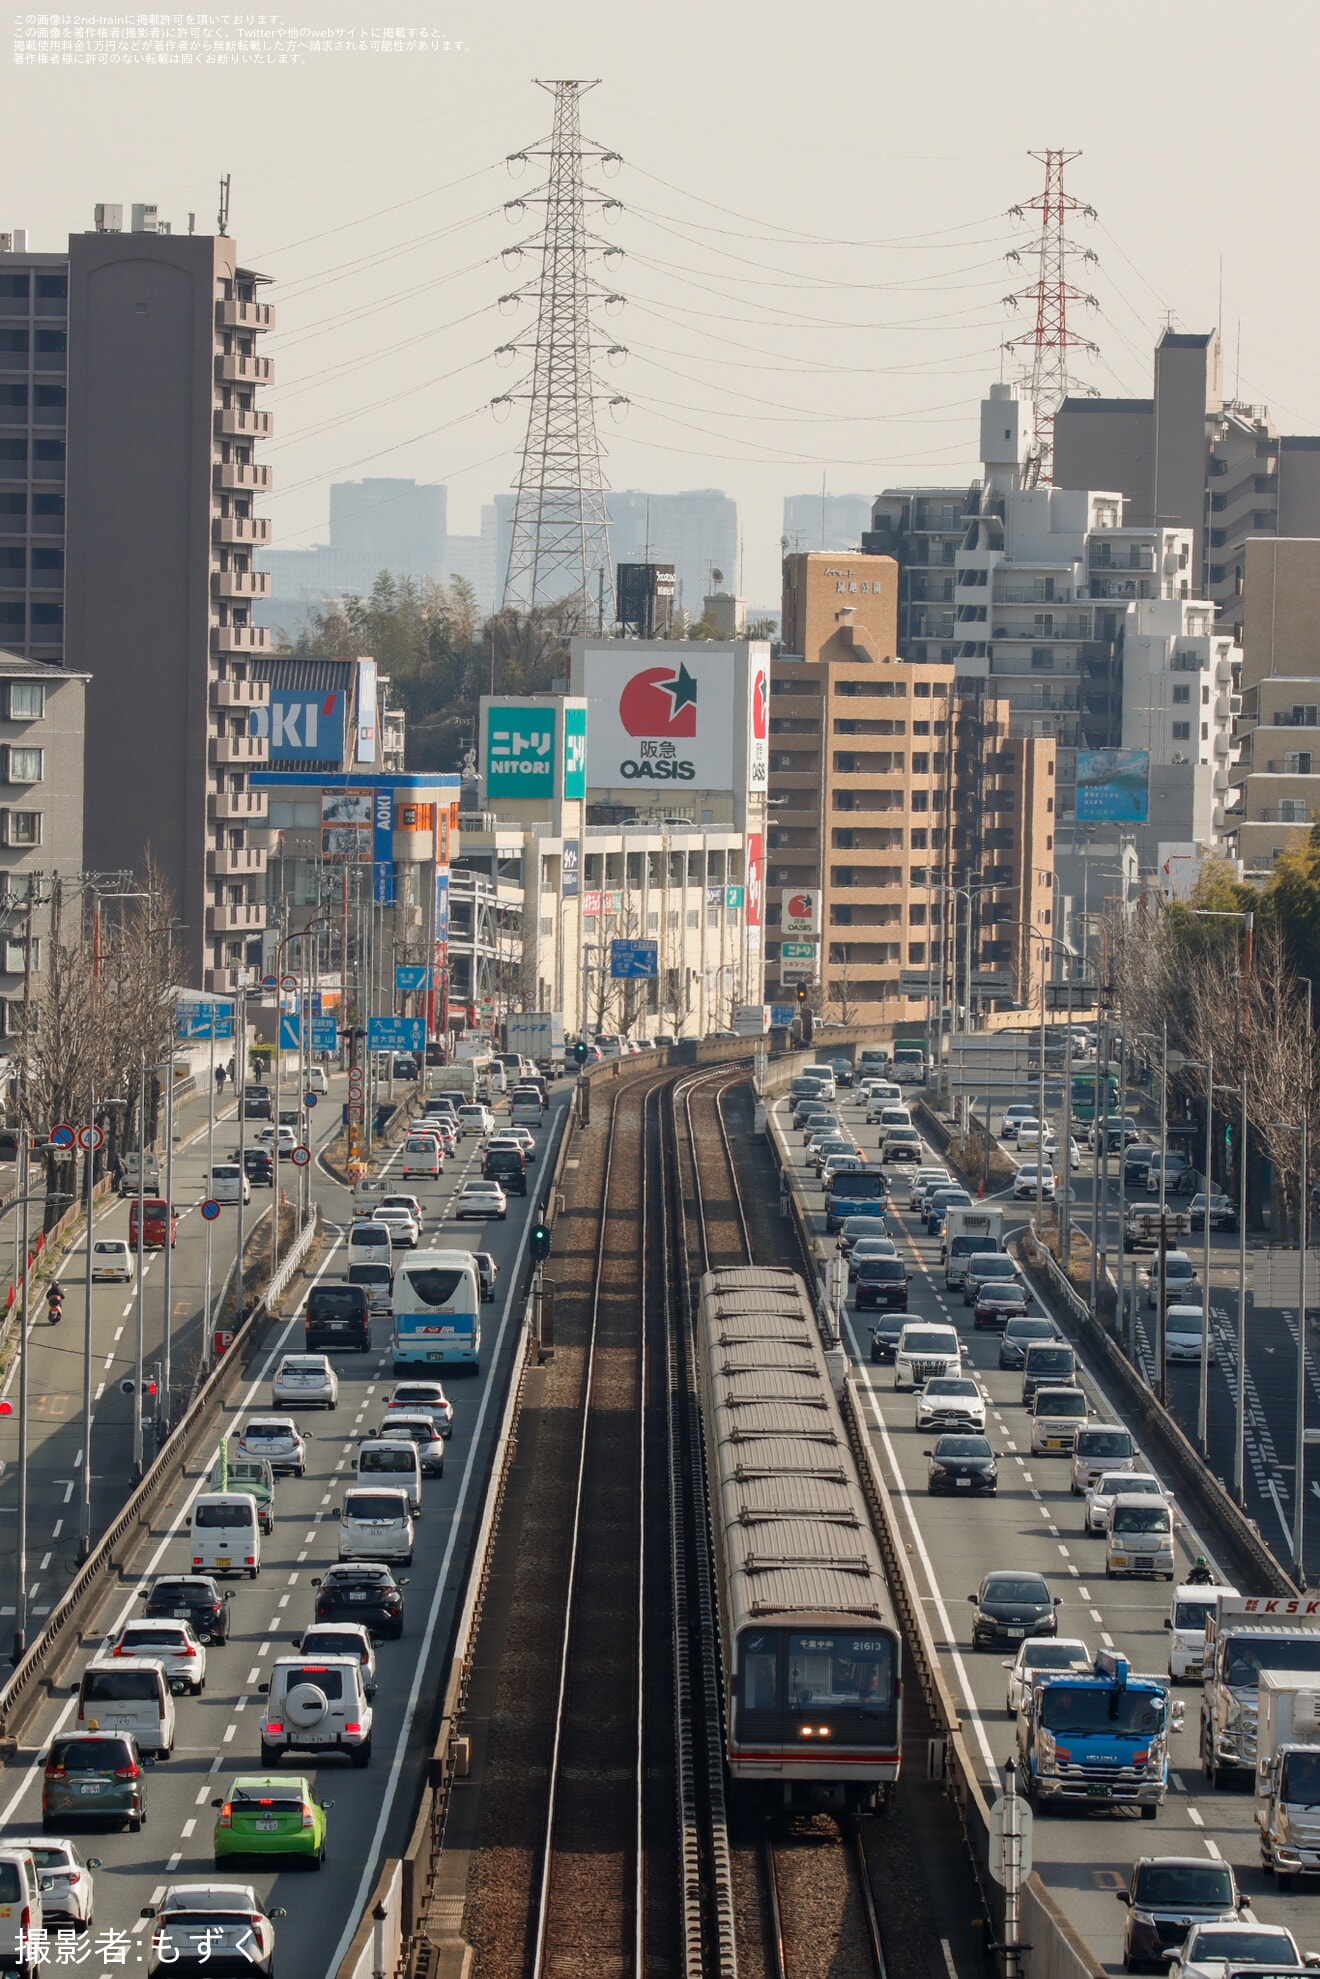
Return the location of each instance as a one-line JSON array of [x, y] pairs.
[[375, 1523], [229, 1184], [226, 1533], [1140, 1537], [392, 1460], [368, 1243], [130, 1696]]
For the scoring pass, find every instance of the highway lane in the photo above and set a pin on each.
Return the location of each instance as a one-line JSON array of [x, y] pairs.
[[218, 1733], [1035, 1523], [55, 1377]]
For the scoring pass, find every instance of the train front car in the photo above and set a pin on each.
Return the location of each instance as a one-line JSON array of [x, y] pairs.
[[808, 1633]]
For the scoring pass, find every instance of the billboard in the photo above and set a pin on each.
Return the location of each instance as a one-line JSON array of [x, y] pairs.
[[1112, 785], [520, 751], [660, 722], [570, 868], [575, 754], [365, 748], [755, 857], [382, 847], [800, 913], [348, 807], [302, 726], [758, 725], [442, 906]]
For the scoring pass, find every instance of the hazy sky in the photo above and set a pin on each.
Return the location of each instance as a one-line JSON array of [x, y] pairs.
[[814, 229]]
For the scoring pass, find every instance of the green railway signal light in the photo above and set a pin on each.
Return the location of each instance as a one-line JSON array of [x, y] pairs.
[[540, 1242]]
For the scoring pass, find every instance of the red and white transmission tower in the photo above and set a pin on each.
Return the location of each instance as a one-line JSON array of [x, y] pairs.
[[1049, 296]]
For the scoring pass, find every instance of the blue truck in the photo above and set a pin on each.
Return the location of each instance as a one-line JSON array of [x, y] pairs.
[[1097, 1739]]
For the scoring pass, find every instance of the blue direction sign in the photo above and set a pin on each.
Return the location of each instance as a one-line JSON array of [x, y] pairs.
[[410, 975], [323, 1033], [396, 1033], [210, 1209], [634, 961], [782, 1014], [202, 1020]]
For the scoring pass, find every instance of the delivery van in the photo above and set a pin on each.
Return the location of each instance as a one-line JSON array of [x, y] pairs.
[[226, 1534], [131, 1696]]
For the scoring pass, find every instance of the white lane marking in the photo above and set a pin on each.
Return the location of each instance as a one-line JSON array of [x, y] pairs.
[[31, 1773], [1212, 1848], [45, 1558], [68, 1486], [1085, 1593], [253, 1675], [177, 1858], [1192, 1813], [188, 1826], [1179, 1782], [1096, 1616], [119, 1330], [57, 1529], [1106, 1638], [202, 1793], [1071, 1568], [229, 1730], [1062, 1548]]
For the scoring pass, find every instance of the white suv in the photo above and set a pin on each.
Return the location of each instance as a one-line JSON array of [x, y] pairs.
[[925, 1349], [375, 1523], [314, 1704]]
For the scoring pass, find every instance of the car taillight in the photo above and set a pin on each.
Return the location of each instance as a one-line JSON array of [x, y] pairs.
[[272, 1729], [256, 1920], [250, 1560], [119, 1650], [225, 1813], [196, 1561], [129, 1772], [307, 1817], [71, 1876], [187, 1650], [352, 1726], [25, 1920], [55, 1772]]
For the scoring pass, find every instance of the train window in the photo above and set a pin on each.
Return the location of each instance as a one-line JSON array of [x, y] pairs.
[[760, 1688], [840, 1672]]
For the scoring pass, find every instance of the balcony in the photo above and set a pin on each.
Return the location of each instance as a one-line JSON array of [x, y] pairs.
[[240, 529], [240, 583], [240, 694], [240, 639], [226, 918], [244, 316], [246, 752], [231, 864], [233, 422], [238, 807], [235, 369], [223, 982], [230, 474]]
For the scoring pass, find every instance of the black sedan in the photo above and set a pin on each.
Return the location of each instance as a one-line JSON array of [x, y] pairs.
[[1012, 1606], [258, 1166], [962, 1463], [882, 1281], [1019, 1334], [192, 1598], [1223, 1214], [359, 1592], [885, 1334], [997, 1304]]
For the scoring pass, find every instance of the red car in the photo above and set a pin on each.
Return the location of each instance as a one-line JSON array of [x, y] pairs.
[[160, 1224]]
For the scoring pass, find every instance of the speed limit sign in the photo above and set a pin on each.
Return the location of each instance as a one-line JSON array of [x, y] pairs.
[[300, 1157]]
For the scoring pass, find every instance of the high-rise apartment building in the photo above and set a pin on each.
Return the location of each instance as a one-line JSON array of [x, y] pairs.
[[34, 341], [165, 380], [898, 791], [1190, 458], [1180, 700], [42, 748], [923, 529], [385, 524], [1278, 767], [825, 522]]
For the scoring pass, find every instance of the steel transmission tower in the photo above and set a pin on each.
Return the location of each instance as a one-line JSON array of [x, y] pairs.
[[1050, 340], [561, 549]]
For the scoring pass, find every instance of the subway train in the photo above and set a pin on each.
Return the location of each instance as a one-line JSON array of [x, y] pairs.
[[808, 1633]]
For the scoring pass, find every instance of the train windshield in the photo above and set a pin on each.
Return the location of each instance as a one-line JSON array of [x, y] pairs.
[[837, 1684]]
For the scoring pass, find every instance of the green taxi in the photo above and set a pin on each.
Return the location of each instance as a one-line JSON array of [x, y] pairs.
[[271, 1814]]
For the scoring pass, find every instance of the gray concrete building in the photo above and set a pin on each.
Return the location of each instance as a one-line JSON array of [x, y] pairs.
[[42, 741], [34, 340], [165, 379], [1189, 457]]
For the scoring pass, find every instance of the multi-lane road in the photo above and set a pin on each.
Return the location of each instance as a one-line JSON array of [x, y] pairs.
[[218, 1733], [1034, 1523]]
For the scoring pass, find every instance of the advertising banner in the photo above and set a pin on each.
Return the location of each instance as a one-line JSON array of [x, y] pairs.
[[570, 869], [302, 726], [442, 907], [365, 747], [733, 899], [798, 951], [382, 850], [659, 722], [575, 753], [800, 913], [755, 858], [1113, 785], [520, 752], [591, 901], [797, 972], [345, 842], [758, 725], [714, 896]]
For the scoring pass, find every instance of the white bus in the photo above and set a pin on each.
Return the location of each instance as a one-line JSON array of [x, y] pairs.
[[437, 1311]]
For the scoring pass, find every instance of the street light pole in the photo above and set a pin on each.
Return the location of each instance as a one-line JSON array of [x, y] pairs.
[[138, 1370], [1299, 1514], [1161, 1384], [163, 1400], [1203, 1400], [85, 1506], [1239, 1441]]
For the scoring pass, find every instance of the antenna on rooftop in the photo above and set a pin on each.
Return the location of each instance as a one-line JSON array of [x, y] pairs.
[[222, 218]]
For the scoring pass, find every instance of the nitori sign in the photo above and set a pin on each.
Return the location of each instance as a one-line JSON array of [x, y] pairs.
[[520, 752]]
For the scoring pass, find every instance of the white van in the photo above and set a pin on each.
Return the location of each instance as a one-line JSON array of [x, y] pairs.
[[1140, 1536], [375, 1523], [392, 1460], [318, 1079], [421, 1156], [140, 1169], [526, 1106], [476, 1120], [368, 1243], [229, 1184], [226, 1533], [128, 1696], [23, 1921]]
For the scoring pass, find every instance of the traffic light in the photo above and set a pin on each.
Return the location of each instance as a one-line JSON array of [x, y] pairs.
[[801, 992], [540, 1242], [580, 1052]]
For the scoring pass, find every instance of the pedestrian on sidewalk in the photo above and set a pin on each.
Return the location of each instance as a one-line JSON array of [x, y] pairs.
[[219, 1079]]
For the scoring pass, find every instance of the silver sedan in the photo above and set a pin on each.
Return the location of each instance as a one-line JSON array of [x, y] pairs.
[[305, 1381]]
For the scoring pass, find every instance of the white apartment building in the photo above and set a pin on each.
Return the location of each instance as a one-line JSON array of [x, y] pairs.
[[1180, 702]]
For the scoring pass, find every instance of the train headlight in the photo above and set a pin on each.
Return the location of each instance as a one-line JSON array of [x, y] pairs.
[[814, 1731]]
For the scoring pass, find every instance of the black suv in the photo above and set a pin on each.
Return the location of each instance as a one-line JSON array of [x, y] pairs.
[[1166, 1896], [192, 1598], [259, 1167]]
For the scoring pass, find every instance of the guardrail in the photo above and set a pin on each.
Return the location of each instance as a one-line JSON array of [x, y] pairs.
[[27, 1683]]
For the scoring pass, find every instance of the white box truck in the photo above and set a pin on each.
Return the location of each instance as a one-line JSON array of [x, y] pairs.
[[1244, 1636], [539, 1035], [1287, 1802], [969, 1228]]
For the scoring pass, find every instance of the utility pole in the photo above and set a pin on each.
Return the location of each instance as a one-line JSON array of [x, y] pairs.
[[560, 547]]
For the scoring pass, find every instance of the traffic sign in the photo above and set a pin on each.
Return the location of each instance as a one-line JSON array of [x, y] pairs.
[[410, 975], [300, 1157], [309, 1099], [289, 984], [355, 1079], [90, 1138], [634, 961], [210, 1209], [1010, 1841], [197, 1021], [61, 1136], [353, 1114], [396, 1033], [268, 982]]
